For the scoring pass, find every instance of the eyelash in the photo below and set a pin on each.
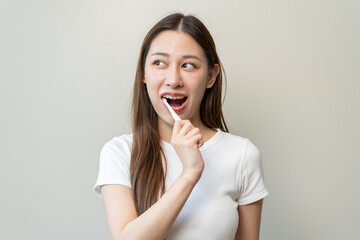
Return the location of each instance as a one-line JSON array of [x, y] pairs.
[[193, 65], [157, 62]]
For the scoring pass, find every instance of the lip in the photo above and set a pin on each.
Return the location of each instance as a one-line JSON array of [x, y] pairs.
[[176, 109]]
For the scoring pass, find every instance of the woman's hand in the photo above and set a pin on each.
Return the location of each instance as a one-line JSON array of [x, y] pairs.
[[186, 140]]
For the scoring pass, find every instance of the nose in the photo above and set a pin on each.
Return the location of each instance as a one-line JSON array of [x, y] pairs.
[[173, 77]]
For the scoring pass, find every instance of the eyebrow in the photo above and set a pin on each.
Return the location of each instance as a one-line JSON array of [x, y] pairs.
[[167, 55]]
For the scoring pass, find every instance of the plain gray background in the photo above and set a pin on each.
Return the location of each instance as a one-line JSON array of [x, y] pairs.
[[67, 69]]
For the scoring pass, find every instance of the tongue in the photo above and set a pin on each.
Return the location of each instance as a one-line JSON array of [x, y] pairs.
[[176, 102]]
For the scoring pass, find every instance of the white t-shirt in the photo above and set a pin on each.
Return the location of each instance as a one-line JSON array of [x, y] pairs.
[[232, 176]]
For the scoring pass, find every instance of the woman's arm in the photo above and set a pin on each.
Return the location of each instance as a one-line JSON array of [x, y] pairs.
[[249, 221], [155, 222]]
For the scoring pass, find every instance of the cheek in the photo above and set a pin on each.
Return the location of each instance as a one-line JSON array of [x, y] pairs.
[[153, 79], [152, 87], [198, 83], [150, 77]]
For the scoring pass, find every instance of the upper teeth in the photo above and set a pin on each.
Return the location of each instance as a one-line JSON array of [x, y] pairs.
[[171, 97]]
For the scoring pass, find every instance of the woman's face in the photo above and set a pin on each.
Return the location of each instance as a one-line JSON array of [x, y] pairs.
[[176, 68]]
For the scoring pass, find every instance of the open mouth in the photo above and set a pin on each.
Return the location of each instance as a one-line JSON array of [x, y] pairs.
[[175, 102]]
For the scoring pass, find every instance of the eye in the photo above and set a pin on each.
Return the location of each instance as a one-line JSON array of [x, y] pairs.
[[188, 65], [159, 63]]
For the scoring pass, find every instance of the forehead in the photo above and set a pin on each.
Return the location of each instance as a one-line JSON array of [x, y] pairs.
[[175, 43]]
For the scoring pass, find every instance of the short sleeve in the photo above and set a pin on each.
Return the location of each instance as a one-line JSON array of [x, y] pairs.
[[114, 166], [252, 186]]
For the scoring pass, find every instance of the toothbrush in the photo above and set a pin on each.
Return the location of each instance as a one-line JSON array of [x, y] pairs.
[[173, 113]]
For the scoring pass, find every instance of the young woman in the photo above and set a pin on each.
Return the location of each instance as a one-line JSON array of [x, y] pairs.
[[187, 179]]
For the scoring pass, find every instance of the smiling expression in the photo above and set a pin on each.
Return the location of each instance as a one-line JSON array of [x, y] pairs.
[[176, 68]]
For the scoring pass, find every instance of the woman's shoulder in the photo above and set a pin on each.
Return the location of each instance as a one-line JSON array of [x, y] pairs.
[[124, 138], [239, 142], [234, 138], [118, 144]]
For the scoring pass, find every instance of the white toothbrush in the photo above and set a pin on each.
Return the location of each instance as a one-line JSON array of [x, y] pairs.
[[173, 113]]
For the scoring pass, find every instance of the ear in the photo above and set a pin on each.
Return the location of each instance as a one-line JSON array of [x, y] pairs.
[[144, 79], [213, 73]]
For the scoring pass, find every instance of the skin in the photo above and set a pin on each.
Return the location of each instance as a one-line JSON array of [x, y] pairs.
[[177, 64]]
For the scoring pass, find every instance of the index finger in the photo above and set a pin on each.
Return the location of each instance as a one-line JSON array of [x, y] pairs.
[[176, 128]]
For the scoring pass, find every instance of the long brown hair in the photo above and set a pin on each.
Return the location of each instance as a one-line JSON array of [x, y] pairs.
[[148, 163]]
